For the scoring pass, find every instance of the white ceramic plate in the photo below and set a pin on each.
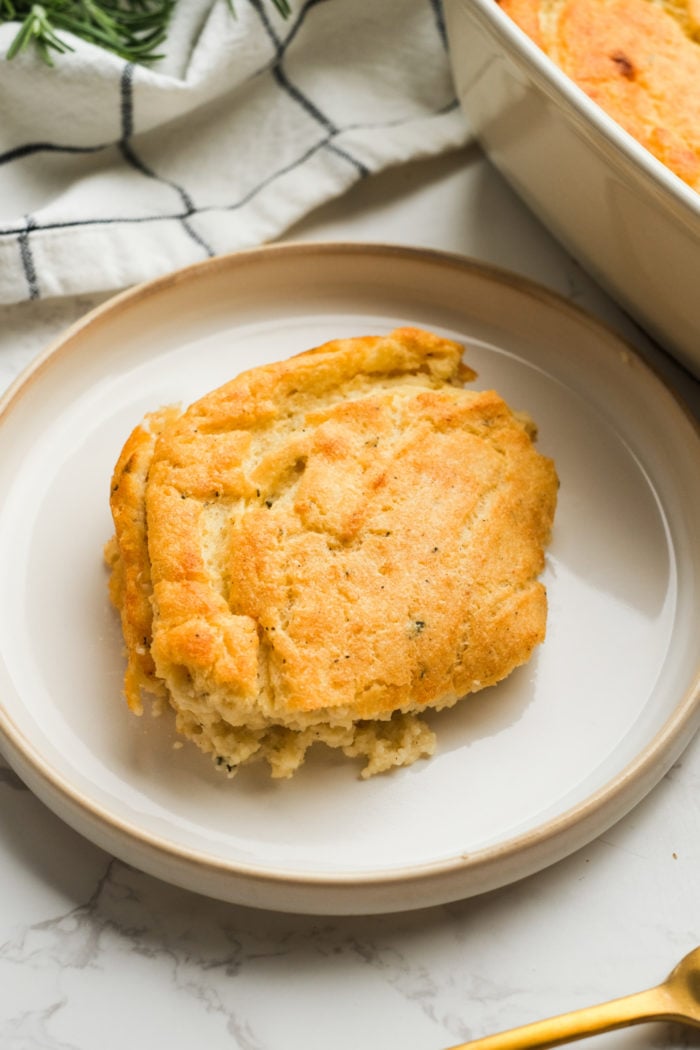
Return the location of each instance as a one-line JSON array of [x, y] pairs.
[[524, 773]]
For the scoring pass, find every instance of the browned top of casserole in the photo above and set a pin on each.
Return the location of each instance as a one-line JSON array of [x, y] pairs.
[[638, 59]]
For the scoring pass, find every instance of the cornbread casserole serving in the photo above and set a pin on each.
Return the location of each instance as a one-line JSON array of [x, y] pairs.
[[638, 59], [325, 547]]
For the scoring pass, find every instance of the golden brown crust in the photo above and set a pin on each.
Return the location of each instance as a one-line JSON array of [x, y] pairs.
[[639, 60], [331, 540], [127, 555]]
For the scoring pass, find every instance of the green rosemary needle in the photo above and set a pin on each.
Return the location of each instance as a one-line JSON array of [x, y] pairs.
[[133, 29]]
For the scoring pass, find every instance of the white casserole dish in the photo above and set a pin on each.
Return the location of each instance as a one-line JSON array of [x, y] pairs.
[[632, 223]]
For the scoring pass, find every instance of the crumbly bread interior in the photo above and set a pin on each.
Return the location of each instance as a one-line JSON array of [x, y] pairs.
[[325, 547], [638, 59]]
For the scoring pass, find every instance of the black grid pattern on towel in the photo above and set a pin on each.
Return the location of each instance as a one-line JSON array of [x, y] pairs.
[[330, 132]]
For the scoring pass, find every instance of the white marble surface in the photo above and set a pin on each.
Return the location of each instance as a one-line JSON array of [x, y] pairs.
[[95, 954]]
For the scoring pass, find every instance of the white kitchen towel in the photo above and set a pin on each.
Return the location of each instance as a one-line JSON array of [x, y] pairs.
[[112, 173]]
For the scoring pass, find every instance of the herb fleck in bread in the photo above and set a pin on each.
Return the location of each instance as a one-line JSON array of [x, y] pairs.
[[325, 547]]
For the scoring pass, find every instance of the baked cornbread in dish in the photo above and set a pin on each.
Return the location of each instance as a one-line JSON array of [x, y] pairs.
[[326, 547], [638, 59]]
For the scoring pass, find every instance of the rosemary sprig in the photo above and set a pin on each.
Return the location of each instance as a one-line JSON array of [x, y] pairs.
[[133, 29], [35, 28]]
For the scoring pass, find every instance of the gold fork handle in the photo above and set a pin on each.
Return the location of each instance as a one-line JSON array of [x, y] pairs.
[[651, 1005]]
